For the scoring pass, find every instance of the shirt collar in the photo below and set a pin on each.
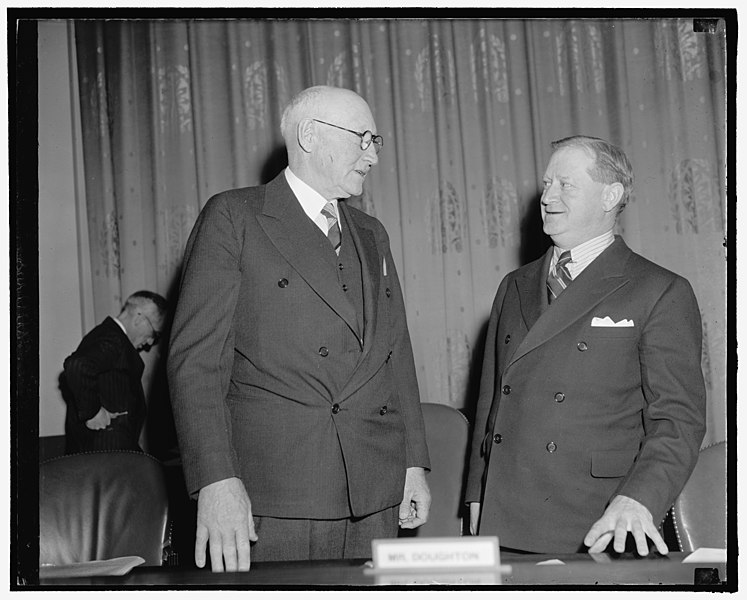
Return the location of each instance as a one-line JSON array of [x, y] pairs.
[[311, 201], [118, 322], [583, 254], [602, 241]]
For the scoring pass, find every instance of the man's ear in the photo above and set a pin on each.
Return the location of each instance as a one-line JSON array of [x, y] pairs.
[[305, 134], [611, 196]]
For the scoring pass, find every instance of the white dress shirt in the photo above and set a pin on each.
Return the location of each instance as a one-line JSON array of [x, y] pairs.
[[311, 201], [583, 254], [118, 322]]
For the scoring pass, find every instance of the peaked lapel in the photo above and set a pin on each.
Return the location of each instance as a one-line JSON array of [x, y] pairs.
[[601, 278], [304, 246], [532, 289]]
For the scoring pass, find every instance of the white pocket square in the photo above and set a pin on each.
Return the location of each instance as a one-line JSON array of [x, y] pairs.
[[608, 322]]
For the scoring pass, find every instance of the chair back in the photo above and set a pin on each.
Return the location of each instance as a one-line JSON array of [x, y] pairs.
[[699, 513], [102, 505], [447, 435]]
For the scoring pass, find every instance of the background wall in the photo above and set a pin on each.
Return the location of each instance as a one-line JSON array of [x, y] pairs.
[[64, 314]]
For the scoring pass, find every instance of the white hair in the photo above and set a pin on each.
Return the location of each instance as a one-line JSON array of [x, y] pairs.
[[299, 106]]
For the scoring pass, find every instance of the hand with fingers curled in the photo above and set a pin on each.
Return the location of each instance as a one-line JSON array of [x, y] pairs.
[[102, 419], [413, 511]]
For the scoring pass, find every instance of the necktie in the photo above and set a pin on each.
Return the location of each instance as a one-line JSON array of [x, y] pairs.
[[333, 233], [559, 278]]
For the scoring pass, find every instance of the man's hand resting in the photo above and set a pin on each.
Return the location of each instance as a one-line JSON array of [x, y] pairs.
[[224, 518], [416, 502], [102, 419], [623, 515]]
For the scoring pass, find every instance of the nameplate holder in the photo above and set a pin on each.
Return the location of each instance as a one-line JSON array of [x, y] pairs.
[[469, 553]]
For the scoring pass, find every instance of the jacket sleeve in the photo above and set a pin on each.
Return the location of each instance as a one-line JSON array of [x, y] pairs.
[[83, 370], [202, 345], [674, 391], [478, 459]]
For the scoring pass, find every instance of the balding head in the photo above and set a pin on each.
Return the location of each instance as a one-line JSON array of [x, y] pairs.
[[322, 128], [318, 102], [143, 316]]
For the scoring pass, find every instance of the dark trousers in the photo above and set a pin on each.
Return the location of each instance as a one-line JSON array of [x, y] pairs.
[[310, 539]]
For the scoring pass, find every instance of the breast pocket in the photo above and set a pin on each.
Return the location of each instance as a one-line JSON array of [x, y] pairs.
[[612, 332]]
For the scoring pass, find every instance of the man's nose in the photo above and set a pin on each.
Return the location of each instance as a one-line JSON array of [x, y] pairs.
[[370, 155], [549, 194]]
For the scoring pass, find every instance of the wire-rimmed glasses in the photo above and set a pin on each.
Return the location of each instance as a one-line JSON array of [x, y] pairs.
[[367, 137]]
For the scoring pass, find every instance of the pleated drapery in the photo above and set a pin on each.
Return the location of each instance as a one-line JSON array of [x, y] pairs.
[[175, 111]]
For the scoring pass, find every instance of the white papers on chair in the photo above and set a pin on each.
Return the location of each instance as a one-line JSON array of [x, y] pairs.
[[114, 566]]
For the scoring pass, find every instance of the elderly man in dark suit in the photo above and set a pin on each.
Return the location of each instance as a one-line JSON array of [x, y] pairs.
[[592, 402], [291, 371], [106, 404]]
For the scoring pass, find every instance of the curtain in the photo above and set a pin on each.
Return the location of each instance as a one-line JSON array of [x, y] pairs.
[[175, 111]]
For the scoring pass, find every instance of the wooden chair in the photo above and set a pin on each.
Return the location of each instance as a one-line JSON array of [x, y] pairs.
[[699, 513], [102, 505]]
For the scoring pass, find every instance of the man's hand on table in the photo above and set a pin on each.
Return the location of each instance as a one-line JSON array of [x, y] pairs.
[[623, 515], [224, 519]]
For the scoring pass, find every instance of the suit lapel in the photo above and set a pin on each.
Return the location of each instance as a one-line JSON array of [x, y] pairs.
[[303, 245], [601, 278], [365, 243], [532, 290]]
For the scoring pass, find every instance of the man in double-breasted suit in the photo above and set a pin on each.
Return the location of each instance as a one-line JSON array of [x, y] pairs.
[[291, 371], [592, 402], [106, 404]]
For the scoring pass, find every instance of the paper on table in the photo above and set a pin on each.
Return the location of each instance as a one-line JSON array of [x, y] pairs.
[[114, 566], [552, 561], [706, 555]]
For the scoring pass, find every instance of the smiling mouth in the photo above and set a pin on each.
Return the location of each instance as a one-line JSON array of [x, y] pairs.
[[361, 173]]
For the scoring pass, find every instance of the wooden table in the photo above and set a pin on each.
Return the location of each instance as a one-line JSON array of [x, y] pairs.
[[520, 571]]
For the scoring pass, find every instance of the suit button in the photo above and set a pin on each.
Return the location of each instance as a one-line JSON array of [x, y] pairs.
[[582, 346], [506, 389], [383, 410], [551, 447], [335, 409], [507, 340], [388, 292], [283, 283], [497, 438], [339, 266], [323, 351], [559, 397], [344, 287]]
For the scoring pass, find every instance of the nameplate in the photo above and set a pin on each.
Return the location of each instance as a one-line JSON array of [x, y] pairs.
[[414, 554]]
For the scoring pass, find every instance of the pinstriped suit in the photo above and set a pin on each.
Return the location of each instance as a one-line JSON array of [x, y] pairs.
[[105, 370], [274, 375]]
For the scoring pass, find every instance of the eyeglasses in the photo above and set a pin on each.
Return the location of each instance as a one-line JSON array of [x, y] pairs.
[[366, 137], [156, 334]]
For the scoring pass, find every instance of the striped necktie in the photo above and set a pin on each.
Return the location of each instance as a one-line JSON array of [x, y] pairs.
[[559, 278], [333, 231]]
